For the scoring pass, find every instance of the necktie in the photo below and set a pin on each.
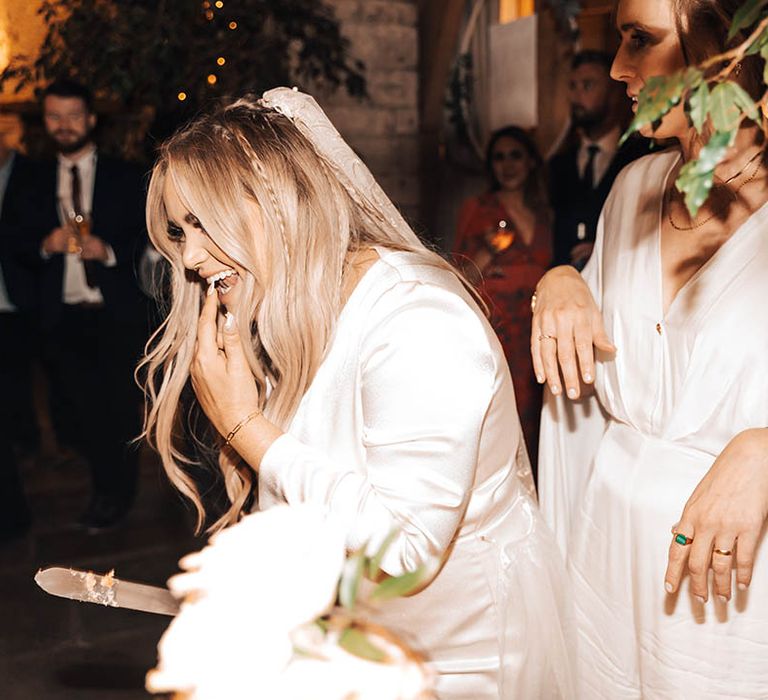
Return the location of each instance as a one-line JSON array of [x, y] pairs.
[[77, 206], [77, 196], [589, 171]]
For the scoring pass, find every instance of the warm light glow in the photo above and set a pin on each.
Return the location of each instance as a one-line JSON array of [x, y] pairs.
[[221, 60], [233, 25], [5, 48], [219, 4], [206, 5], [510, 10], [209, 15], [182, 96], [212, 79]]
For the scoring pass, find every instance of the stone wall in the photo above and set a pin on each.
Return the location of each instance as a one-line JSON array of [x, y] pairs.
[[383, 129]]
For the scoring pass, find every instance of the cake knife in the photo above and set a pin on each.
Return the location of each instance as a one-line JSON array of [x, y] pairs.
[[89, 587]]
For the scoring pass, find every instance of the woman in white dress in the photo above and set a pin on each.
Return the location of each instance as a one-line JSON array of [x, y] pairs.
[[352, 368], [657, 485]]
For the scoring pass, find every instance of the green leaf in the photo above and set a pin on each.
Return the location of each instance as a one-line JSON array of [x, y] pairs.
[[355, 642], [399, 585], [758, 44], [764, 54], [698, 106], [746, 16], [374, 564], [660, 94], [351, 575], [695, 179], [728, 102]]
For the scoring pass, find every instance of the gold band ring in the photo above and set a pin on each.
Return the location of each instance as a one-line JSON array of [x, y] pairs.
[[545, 336], [723, 552]]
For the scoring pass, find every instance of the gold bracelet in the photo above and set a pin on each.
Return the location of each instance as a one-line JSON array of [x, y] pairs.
[[234, 430]]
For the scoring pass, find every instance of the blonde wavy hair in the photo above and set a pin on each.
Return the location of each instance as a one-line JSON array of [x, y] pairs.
[[263, 194]]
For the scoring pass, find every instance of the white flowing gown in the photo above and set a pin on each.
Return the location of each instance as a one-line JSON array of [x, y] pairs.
[[617, 469], [411, 423]]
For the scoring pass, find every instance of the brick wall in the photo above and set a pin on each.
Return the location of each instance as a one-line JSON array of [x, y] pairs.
[[384, 129]]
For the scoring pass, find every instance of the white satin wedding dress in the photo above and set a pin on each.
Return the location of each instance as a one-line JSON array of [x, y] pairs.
[[616, 470], [411, 423]]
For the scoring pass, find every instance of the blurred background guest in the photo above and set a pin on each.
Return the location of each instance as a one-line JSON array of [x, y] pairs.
[[18, 429], [81, 219], [582, 173], [504, 244]]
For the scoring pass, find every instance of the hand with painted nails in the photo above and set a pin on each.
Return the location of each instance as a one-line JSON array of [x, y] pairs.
[[723, 520], [567, 326], [223, 381]]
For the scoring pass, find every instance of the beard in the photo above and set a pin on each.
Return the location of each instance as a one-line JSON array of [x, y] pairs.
[[70, 146], [588, 119]]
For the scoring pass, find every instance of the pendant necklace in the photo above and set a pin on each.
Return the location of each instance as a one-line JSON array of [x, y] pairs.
[[724, 182]]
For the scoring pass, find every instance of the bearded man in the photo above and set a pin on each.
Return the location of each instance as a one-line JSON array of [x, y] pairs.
[[581, 175], [80, 218]]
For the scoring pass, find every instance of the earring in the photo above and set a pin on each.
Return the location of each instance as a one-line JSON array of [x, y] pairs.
[[737, 70]]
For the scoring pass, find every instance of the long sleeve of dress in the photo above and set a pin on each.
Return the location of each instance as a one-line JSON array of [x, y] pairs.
[[427, 379]]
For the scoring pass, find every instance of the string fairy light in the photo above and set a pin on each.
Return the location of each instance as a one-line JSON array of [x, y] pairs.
[[233, 25], [212, 79], [181, 96], [221, 60]]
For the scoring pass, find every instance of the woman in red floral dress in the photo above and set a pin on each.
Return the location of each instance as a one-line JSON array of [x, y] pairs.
[[504, 244]]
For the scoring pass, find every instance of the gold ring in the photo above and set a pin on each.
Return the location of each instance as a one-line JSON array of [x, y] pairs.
[[545, 336], [723, 552]]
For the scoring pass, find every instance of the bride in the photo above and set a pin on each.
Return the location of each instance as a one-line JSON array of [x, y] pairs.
[[340, 361]]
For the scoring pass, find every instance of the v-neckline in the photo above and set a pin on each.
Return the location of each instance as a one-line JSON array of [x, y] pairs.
[[664, 315]]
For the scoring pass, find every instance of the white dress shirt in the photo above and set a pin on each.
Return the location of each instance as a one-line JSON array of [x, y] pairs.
[[607, 146], [76, 289]]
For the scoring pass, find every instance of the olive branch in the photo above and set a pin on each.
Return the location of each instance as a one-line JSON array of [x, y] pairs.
[[714, 104]]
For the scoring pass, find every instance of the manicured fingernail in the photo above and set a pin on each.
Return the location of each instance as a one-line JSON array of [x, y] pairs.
[[229, 323], [555, 390], [211, 289], [742, 586], [587, 377], [540, 378], [669, 587], [700, 599], [722, 599], [572, 393]]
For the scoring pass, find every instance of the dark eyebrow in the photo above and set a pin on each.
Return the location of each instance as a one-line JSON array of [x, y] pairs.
[[192, 220], [629, 26]]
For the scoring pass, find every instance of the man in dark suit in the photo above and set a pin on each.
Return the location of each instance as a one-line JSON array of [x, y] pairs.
[[82, 219], [581, 175], [18, 430]]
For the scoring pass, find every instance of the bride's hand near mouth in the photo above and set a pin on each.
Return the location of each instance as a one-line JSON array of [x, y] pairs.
[[225, 387]]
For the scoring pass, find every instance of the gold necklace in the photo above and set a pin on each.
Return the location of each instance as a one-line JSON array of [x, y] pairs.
[[724, 182]]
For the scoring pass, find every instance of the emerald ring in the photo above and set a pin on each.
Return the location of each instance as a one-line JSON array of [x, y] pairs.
[[682, 539]]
